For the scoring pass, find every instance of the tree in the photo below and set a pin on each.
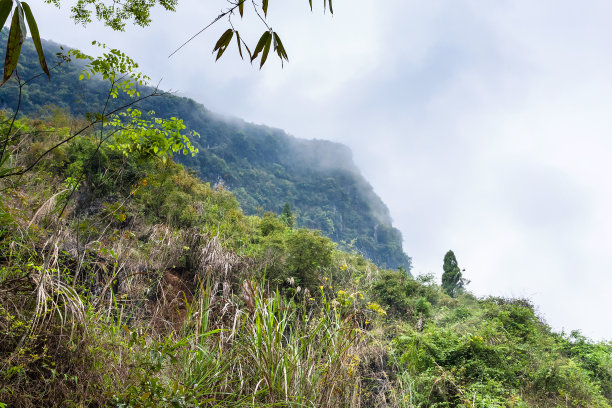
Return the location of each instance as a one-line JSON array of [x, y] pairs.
[[287, 216], [113, 13], [308, 253], [452, 278]]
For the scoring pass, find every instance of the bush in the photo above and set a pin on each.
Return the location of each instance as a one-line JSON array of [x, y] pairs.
[[307, 253], [393, 290]]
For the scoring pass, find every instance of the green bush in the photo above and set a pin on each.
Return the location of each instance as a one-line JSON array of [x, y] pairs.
[[307, 254], [393, 290]]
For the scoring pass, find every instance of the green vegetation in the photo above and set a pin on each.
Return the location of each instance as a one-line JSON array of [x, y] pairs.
[[127, 281], [149, 287], [453, 282], [116, 15], [265, 168]]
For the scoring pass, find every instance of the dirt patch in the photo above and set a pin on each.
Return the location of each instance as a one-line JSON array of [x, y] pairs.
[[174, 292]]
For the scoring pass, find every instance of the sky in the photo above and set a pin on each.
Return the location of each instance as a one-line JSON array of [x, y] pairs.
[[484, 126]]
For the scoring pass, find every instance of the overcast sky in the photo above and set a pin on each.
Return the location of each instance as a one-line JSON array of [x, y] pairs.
[[484, 125]]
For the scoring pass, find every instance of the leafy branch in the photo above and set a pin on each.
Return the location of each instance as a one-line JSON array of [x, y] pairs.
[[161, 136], [116, 13], [269, 39]]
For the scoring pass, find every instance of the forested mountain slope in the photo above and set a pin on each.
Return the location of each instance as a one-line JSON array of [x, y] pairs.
[[262, 166]]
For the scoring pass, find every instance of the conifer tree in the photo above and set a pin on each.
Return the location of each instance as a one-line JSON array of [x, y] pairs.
[[287, 216], [452, 278]]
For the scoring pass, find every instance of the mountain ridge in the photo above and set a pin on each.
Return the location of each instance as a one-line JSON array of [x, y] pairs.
[[264, 167]]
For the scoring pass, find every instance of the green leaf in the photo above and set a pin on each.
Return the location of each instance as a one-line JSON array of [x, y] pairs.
[[223, 42], [5, 10], [22, 24], [331, 9], [224, 39], [35, 37], [266, 50], [310, 1], [241, 7], [247, 48], [239, 46], [280, 49], [13, 47], [260, 44], [264, 6]]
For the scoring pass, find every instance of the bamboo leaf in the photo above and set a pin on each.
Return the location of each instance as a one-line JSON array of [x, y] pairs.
[[264, 6], [224, 39], [241, 7], [239, 46], [220, 53], [13, 47], [5, 10], [310, 2], [223, 42], [35, 38], [331, 9], [22, 24], [266, 50], [247, 48], [280, 48], [260, 44]]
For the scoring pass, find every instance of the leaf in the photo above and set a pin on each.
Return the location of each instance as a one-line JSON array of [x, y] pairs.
[[5, 10], [241, 7], [310, 1], [223, 42], [239, 46], [22, 25], [35, 38], [13, 47], [331, 9], [264, 6], [280, 49], [266, 50], [247, 48], [224, 39], [260, 44], [220, 52]]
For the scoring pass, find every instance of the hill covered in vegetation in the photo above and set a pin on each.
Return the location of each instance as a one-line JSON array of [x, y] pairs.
[[264, 167], [125, 281]]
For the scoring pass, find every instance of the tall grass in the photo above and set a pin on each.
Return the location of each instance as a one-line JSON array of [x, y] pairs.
[[269, 352]]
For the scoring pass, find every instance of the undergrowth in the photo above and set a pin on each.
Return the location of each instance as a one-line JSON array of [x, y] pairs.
[[125, 281]]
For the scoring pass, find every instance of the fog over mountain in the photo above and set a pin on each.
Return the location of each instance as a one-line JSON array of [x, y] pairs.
[[264, 167]]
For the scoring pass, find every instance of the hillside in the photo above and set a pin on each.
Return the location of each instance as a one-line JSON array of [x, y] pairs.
[[264, 167], [125, 281]]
